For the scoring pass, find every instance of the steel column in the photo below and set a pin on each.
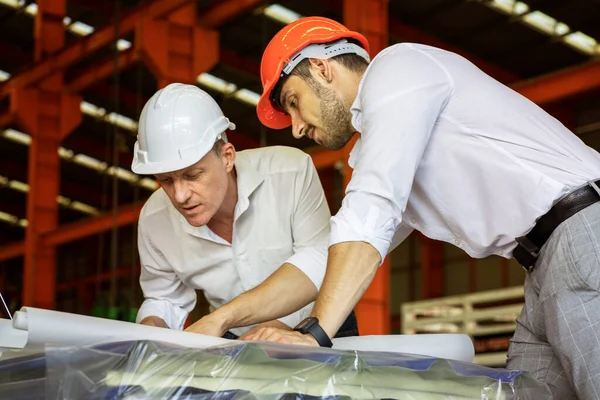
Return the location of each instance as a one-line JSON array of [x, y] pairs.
[[176, 49], [432, 268], [48, 115], [370, 17]]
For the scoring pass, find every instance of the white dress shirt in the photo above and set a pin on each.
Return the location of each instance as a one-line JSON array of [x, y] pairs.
[[449, 151], [281, 216]]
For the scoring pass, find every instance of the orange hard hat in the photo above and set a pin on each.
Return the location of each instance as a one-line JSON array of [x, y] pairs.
[[285, 44]]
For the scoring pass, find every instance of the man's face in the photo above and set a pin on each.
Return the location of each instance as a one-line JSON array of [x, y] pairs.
[[197, 191], [317, 112]]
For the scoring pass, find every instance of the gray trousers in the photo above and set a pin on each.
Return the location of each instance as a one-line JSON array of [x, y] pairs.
[[557, 338]]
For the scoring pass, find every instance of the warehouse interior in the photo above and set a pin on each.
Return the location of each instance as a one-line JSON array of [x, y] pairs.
[[75, 75]]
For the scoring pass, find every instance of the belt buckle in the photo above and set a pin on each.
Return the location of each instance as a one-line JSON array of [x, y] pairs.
[[594, 186], [531, 248]]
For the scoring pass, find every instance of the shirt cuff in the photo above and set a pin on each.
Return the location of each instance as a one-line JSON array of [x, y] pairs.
[[345, 228], [173, 316], [312, 261]]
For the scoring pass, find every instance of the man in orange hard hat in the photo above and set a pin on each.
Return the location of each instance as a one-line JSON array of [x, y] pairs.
[[448, 151]]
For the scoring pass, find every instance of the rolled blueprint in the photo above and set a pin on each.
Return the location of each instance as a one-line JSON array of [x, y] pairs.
[[450, 346], [56, 327], [46, 326]]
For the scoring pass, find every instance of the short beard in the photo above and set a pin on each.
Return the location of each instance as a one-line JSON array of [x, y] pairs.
[[335, 117]]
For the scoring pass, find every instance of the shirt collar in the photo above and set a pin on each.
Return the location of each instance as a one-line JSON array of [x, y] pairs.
[[248, 180]]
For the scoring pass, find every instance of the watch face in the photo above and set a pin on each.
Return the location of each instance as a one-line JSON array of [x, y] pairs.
[[306, 323]]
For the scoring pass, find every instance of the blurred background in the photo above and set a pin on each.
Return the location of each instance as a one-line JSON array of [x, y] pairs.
[[74, 75]]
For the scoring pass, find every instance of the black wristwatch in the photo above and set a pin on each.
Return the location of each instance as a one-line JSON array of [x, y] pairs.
[[311, 325]]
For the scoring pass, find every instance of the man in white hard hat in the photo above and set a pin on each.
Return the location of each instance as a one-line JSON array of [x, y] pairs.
[[243, 227], [446, 150]]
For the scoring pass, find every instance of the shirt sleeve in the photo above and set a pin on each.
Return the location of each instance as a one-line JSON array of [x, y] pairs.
[[166, 296], [310, 224], [403, 93]]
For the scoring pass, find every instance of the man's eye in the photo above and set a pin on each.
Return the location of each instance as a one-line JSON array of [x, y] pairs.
[[293, 103]]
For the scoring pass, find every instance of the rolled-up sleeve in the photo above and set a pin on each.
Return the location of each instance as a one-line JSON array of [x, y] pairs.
[[166, 296], [402, 95], [310, 225]]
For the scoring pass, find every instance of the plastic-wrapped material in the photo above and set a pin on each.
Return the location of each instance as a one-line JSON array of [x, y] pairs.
[[254, 370]]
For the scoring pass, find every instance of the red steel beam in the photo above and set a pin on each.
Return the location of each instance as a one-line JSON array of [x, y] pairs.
[[6, 119], [432, 268], [407, 33], [67, 233], [89, 44], [102, 70], [226, 10], [12, 250], [370, 17], [560, 85]]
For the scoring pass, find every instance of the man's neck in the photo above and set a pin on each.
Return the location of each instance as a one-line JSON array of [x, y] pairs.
[[352, 89], [222, 222]]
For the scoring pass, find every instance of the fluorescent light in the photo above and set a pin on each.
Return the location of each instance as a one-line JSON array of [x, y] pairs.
[[148, 183], [89, 162], [31, 9], [63, 201], [18, 186], [13, 3], [65, 154], [247, 96], [6, 217], [16, 136], [123, 44], [80, 28], [122, 121], [3, 180], [582, 42], [541, 21], [4, 75], [217, 84], [92, 110], [123, 174], [84, 208], [546, 24], [281, 14]]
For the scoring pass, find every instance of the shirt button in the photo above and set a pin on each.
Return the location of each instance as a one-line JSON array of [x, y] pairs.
[[457, 242], [413, 221]]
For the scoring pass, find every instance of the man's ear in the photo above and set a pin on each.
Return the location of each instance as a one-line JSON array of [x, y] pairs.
[[228, 155], [321, 70]]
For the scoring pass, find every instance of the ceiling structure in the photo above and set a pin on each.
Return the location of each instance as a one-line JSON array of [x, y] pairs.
[[525, 44]]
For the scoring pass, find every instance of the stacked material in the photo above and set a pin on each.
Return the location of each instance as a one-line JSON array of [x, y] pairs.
[[243, 370]]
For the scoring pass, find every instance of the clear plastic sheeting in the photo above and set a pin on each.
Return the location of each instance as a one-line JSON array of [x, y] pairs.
[[252, 370]]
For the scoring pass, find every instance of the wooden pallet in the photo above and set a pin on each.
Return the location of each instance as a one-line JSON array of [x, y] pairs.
[[487, 317]]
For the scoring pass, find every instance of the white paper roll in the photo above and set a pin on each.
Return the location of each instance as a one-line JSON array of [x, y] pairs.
[[450, 346], [46, 326], [55, 327]]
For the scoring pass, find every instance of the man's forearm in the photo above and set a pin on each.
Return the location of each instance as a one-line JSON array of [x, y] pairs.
[[284, 292], [351, 267]]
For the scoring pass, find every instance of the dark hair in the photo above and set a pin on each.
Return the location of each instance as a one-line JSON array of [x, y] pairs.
[[352, 62]]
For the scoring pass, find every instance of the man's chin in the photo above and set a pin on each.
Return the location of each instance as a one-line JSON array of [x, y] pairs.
[[196, 220]]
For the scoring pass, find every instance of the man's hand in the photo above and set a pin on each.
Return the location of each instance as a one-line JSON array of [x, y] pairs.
[[210, 325], [282, 336], [269, 324], [154, 321]]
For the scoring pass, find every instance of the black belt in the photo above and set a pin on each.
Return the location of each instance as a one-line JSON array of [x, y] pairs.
[[528, 248]]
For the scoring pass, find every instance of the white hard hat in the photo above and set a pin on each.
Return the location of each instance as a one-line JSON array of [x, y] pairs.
[[178, 126]]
